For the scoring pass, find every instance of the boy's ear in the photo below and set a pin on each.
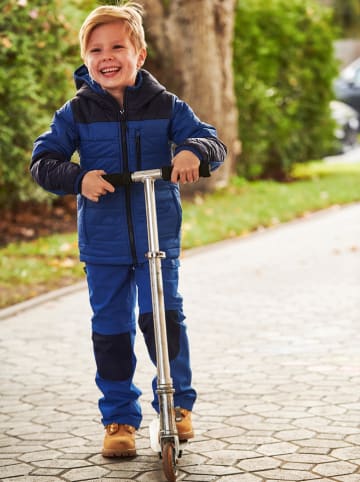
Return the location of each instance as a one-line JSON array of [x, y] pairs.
[[141, 58]]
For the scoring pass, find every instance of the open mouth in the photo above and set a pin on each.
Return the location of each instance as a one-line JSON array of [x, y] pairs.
[[109, 70]]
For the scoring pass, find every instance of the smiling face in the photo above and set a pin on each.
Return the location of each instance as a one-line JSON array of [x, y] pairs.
[[112, 59]]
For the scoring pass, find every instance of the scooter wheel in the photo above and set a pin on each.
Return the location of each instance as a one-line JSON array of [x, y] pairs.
[[169, 461]]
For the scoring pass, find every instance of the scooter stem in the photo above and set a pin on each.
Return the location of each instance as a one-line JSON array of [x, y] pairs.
[[164, 382]]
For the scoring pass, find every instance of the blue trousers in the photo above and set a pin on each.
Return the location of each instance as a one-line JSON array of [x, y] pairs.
[[114, 293]]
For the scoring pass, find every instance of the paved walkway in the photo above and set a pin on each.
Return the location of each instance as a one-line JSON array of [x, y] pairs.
[[274, 321]]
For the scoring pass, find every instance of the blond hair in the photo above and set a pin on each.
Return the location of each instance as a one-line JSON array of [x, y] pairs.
[[130, 13]]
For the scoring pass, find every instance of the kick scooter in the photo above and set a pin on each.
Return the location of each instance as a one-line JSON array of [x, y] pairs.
[[165, 440]]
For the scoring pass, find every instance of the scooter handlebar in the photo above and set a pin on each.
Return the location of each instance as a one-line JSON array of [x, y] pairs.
[[204, 171], [124, 179]]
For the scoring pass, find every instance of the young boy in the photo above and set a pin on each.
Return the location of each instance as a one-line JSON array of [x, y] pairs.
[[123, 120]]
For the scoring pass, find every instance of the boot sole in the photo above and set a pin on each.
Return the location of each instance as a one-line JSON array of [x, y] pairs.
[[118, 453], [185, 436]]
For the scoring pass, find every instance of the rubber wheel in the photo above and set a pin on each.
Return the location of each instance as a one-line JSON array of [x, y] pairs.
[[169, 461]]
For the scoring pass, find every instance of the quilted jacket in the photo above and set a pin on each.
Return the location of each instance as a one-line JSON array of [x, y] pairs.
[[153, 126]]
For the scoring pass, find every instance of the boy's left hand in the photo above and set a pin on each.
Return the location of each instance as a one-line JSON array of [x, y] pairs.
[[185, 167]]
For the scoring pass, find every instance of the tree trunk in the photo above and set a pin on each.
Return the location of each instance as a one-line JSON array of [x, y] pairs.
[[190, 52]]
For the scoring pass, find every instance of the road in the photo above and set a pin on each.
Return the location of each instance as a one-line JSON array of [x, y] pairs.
[[273, 321]]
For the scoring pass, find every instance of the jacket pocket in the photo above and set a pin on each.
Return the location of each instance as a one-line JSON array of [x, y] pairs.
[[103, 224]]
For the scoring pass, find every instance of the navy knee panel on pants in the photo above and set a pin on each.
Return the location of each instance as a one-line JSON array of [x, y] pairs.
[[113, 356], [146, 324]]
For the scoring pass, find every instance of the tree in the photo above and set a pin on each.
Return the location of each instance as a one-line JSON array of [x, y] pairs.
[[190, 51], [347, 15]]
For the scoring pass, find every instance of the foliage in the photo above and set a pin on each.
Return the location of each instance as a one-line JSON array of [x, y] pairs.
[[284, 67], [37, 47]]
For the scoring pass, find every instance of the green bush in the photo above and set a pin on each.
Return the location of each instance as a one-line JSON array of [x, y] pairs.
[[284, 67], [37, 46]]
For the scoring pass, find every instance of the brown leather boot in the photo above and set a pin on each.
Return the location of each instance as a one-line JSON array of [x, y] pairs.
[[183, 423], [119, 441]]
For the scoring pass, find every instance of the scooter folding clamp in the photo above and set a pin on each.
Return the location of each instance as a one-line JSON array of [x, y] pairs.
[[155, 254]]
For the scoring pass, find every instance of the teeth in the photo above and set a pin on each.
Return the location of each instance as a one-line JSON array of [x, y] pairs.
[[109, 69]]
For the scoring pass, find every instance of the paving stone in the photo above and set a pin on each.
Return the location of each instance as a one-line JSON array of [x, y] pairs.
[[130, 465], [15, 470], [61, 463], [200, 478], [206, 446], [68, 442], [327, 443], [198, 459], [349, 478], [296, 466], [84, 474], [47, 472], [307, 458], [348, 453], [8, 455], [292, 435], [288, 475], [331, 469], [277, 448], [42, 436], [240, 478], [30, 478], [22, 449], [224, 432], [353, 439], [314, 450], [153, 476], [221, 457], [260, 463], [4, 462], [41, 455], [118, 476], [212, 470]]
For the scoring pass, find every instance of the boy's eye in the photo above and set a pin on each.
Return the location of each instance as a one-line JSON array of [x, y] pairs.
[[118, 46], [94, 50]]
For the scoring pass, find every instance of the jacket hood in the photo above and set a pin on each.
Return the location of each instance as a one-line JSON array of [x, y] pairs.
[[146, 87]]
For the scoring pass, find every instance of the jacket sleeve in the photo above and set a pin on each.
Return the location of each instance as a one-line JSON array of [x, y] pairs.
[[51, 165], [188, 132]]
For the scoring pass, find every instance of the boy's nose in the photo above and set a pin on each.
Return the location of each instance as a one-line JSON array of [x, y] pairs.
[[108, 56]]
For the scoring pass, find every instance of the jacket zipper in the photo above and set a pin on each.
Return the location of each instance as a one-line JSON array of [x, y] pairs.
[[138, 152], [127, 188]]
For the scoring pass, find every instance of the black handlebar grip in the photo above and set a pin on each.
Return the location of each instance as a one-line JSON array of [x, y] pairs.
[[118, 179], [204, 171]]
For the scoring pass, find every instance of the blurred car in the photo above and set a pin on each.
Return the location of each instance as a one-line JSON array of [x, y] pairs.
[[347, 85], [347, 125]]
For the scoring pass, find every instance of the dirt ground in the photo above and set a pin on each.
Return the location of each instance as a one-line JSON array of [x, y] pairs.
[[28, 221]]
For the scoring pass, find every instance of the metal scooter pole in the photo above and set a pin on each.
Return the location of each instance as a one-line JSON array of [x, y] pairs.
[[165, 388]]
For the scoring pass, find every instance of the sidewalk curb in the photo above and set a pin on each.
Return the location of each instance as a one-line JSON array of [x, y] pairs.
[[38, 300]]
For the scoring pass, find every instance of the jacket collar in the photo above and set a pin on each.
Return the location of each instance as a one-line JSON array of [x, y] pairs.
[[145, 88]]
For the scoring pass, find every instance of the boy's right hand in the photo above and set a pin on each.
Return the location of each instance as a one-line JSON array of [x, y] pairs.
[[94, 185]]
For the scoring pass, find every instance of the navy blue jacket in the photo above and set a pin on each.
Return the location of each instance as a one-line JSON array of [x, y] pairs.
[[153, 126]]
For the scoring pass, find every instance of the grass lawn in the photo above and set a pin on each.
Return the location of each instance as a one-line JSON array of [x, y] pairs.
[[30, 268]]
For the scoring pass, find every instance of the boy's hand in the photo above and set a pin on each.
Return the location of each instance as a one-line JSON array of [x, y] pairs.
[[185, 167], [94, 185]]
